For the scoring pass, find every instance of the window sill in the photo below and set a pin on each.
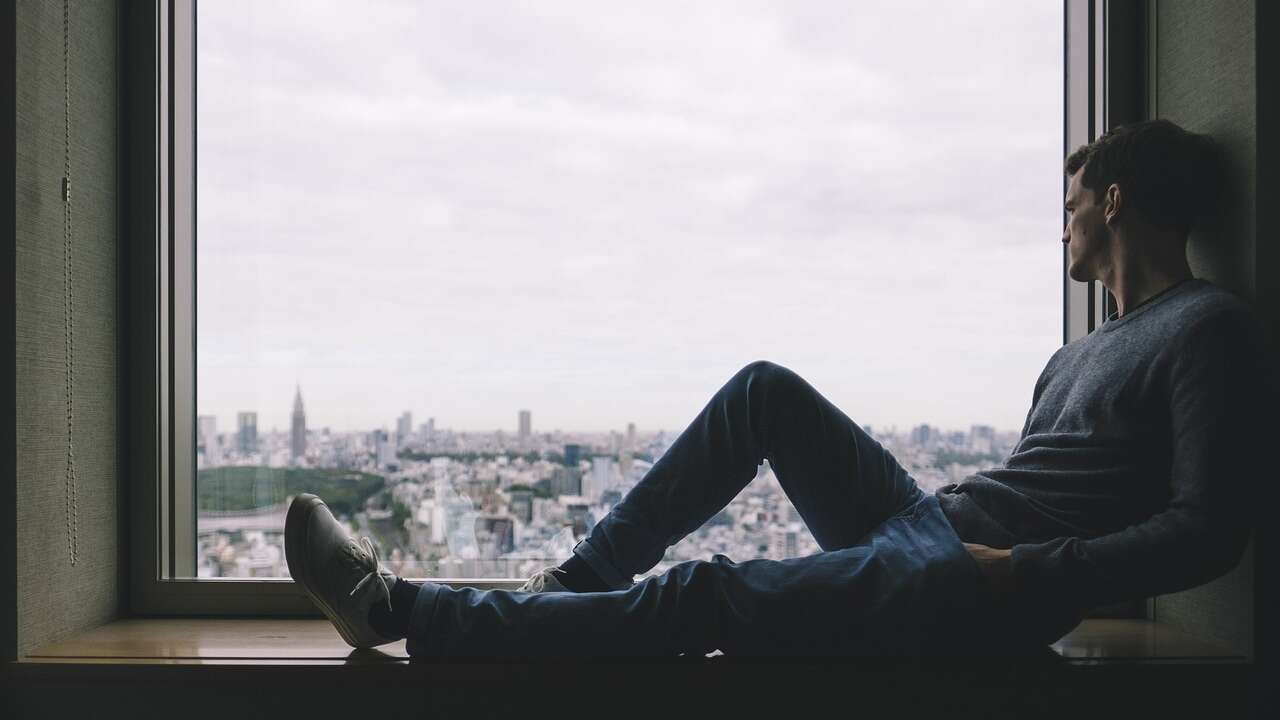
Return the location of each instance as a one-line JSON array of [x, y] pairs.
[[274, 668], [214, 641], [273, 641]]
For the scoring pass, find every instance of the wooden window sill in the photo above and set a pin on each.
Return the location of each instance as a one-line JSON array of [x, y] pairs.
[[271, 641], [276, 668]]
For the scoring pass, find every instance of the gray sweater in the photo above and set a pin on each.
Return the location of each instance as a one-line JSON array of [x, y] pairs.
[[1135, 471]]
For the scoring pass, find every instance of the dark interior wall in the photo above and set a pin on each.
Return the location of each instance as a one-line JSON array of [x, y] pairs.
[[1203, 78], [1267, 587], [56, 597], [1201, 74], [8, 446]]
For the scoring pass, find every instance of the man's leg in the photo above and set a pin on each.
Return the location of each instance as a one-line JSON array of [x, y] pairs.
[[841, 481], [895, 593]]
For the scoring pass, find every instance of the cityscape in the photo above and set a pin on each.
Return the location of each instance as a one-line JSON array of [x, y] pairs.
[[583, 228], [495, 505]]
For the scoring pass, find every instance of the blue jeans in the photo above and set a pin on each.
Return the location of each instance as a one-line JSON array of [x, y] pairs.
[[892, 579]]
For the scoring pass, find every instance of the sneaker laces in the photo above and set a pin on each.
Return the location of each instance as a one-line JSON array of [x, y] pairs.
[[370, 561], [538, 582]]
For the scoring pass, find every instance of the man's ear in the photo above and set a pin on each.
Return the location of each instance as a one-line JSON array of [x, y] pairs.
[[1112, 203]]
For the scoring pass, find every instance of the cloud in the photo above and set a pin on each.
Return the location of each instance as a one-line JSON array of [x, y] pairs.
[[600, 212]]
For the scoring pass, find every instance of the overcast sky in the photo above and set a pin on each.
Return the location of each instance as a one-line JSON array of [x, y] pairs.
[[601, 211]]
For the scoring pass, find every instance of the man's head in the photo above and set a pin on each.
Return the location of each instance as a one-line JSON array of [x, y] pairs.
[[1134, 194]]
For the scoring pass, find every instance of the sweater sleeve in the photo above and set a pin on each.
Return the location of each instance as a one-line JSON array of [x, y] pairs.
[[1216, 387]]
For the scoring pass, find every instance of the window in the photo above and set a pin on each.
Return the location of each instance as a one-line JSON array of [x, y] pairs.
[[467, 271]]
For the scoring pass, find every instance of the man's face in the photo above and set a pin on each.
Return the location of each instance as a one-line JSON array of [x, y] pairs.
[[1086, 234]]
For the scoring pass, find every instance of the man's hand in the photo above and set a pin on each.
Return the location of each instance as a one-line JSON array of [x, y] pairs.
[[996, 566]]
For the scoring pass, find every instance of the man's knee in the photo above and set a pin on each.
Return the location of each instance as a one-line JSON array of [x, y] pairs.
[[771, 377], [767, 372]]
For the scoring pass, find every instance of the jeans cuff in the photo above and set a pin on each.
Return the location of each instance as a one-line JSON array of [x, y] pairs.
[[607, 572], [424, 607]]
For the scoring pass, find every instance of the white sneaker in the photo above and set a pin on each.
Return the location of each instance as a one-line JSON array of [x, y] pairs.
[[543, 581], [342, 576]]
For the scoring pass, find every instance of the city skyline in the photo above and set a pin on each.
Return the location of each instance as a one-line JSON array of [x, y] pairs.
[[629, 428], [500, 505]]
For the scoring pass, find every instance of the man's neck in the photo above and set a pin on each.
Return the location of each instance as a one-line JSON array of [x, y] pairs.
[[1135, 288], [1145, 262]]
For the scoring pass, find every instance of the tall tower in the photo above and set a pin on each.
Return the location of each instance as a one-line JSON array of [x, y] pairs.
[[247, 432], [207, 440], [298, 430], [526, 426], [572, 453], [404, 428]]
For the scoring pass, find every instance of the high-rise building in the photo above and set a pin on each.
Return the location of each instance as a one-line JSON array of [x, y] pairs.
[[579, 516], [495, 535], [572, 454], [783, 543], [207, 440], [566, 481], [297, 428], [631, 436], [384, 449], [602, 478], [526, 426], [625, 461], [404, 428], [521, 503], [434, 516], [982, 438], [247, 432], [923, 435]]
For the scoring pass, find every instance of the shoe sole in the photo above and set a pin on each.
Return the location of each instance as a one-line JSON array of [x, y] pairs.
[[295, 543]]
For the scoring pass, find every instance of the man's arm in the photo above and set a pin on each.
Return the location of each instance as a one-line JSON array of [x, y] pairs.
[[1217, 387]]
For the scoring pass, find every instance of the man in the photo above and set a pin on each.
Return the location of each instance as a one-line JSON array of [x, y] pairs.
[[1131, 478]]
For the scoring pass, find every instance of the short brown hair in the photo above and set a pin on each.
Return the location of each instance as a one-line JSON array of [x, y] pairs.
[[1172, 176]]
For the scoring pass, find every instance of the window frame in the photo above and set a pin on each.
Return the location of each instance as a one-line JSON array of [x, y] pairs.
[[158, 162], [1104, 54]]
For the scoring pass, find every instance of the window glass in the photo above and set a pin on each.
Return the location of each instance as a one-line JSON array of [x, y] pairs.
[[466, 270]]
